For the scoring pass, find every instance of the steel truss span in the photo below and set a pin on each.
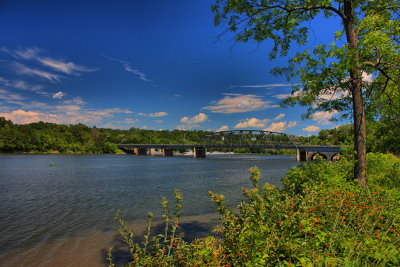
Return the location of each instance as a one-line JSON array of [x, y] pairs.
[[253, 139]]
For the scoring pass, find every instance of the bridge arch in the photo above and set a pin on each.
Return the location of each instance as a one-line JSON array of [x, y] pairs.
[[335, 156], [317, 155]]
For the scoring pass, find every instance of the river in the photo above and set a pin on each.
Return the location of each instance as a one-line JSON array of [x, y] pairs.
[[63, 215]]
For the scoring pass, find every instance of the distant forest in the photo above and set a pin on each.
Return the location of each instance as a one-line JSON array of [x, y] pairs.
[[79, 138]]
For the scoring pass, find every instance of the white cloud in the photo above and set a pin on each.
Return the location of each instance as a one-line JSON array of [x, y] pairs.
[[22, 117], [189, 123], [280, 116], [153, 115], [67, 112], [199, 118], [311, 128], [59, 95], [252, 123], [323, 117], [184, 119], [368, 78], [223, 128], [237, 103], [276, 127], [292, 124]]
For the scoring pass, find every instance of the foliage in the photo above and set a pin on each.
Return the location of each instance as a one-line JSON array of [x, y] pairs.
[[329, 224], [79, 138], [168, 248], [382, 136], [324, 72], [321, 217], [329, 77]]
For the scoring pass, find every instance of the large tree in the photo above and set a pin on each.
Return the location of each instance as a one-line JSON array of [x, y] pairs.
[[328, 77]]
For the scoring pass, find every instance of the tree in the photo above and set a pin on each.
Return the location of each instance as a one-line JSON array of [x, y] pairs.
[[330, 77]]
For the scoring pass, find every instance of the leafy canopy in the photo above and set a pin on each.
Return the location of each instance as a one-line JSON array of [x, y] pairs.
[[324, 70]]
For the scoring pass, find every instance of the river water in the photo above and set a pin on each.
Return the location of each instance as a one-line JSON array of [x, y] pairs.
[[63, 215]]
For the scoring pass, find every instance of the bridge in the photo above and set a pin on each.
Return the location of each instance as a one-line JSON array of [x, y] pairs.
[[251, 139]]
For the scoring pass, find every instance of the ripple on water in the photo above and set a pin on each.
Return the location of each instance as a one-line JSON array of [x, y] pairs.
[[64, 215]]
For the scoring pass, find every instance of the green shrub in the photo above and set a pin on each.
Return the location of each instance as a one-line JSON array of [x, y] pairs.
[[383, 170], [321, 217]]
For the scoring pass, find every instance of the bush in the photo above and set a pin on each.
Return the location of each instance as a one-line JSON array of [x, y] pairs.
[[320, 217]]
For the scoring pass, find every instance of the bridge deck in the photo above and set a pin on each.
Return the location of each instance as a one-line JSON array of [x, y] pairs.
[[323, 148]]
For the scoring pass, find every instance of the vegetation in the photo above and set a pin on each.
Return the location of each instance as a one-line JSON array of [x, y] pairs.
[[329, 77], [49, 137], [382, 136], [321, 216], [79, 138]]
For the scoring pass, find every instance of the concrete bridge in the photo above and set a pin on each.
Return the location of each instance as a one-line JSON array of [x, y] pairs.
[[251, 139]]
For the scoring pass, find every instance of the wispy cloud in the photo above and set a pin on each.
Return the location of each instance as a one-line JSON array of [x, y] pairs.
[[55, 64], [22, 85], [128, 68], [8, 96], [75, 101], [252, 123], [280, 116], [22, 69], [268, 85], [238, 103]]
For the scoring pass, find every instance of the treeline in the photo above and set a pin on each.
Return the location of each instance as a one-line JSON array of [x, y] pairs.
[[79, 138]]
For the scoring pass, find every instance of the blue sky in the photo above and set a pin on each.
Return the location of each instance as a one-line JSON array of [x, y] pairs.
[[145, 64]]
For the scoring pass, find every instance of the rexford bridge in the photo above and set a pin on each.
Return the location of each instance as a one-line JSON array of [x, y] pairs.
[[251, 139]]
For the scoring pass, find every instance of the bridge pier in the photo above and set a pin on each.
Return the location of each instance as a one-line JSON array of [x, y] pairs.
[[140, 151], [302, 155], [199, 152], [167, 152]]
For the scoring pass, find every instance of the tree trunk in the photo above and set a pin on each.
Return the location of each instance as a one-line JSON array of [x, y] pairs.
[[360, 168]]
